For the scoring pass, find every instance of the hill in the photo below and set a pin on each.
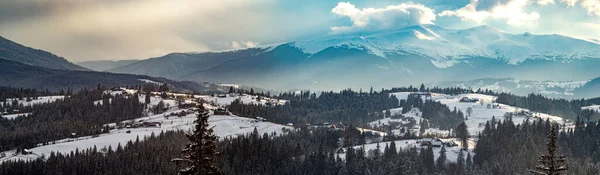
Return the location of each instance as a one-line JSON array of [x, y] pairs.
[[103, 65], [10, 50], [15, 74]]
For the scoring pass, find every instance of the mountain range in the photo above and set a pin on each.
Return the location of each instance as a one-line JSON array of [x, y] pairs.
[[479, 57], [411, 55], [22, 66], [103, 65]]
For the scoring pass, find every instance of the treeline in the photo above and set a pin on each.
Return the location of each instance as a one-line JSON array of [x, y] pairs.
[[558, 107], [21, 93], [503, 148], [77, 114], [346, 106], [438, 114], [506, 148], [295, 153], [152, 156], [448, 90]]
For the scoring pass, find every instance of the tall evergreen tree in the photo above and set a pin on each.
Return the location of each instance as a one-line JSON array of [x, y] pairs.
[[552, 164], [463, 134], [441, 161], [201, 152]]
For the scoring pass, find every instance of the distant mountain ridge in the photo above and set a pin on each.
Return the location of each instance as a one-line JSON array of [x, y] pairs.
[[103, 65], [411, 55], [10, 50], [175, 65], [16, 74]]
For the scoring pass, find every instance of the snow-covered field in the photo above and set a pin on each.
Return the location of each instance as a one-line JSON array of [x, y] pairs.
[[43, 99], [482, 114], [451, 152], [593, 107], [404, 95], [224, 126], [14, 116], [479, 116], [247, 99]]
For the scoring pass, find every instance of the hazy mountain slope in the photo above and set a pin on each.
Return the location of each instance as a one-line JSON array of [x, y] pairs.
[[15, 74], [412, 55], [555, 89], [590, 89], [16, 52], [175, 65], [103, 65], [448, 46]]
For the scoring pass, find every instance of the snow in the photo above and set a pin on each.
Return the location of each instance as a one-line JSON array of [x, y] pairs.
[[482, 114], [404, 95], [447, 47], [479, 116], [230, 85], [451, 152], [244, 98], [40, 100], [150, 81], [224, 126], [592, 107], [14, 116]]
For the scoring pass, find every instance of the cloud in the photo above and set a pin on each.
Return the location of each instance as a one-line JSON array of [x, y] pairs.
[[393, 16], [592, 6], [545, 2], [570, 3], [513, 11], [132, 29], [243, 44]]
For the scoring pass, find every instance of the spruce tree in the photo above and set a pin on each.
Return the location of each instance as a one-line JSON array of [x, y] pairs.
[[463, 134], [201, 152], [552, 164], [441, 161]]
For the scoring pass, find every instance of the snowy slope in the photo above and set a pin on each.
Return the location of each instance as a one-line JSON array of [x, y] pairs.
[[244, 98], [447, 46], [451, 152], [592, 107], [13, 116], [224, 126], [560, 89], [480, 115], [42, 99]]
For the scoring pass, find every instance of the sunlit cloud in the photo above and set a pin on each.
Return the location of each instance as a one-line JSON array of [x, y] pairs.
[[393, 16], [512, 11]]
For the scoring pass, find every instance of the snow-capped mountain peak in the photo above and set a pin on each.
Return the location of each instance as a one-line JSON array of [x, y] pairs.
[[448, 46]]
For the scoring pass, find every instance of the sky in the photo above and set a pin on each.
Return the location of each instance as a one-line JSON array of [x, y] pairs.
[[84, 30]]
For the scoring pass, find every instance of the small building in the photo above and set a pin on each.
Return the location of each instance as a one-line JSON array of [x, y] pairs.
[[469, 100], [437, 143], [290, 124], [451, 144], [26, 152]]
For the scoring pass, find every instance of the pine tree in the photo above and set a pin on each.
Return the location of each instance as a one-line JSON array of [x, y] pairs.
[[463, 134], [552, 164], [468, 162], [460, 163], [201, 152], [441, 161]]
